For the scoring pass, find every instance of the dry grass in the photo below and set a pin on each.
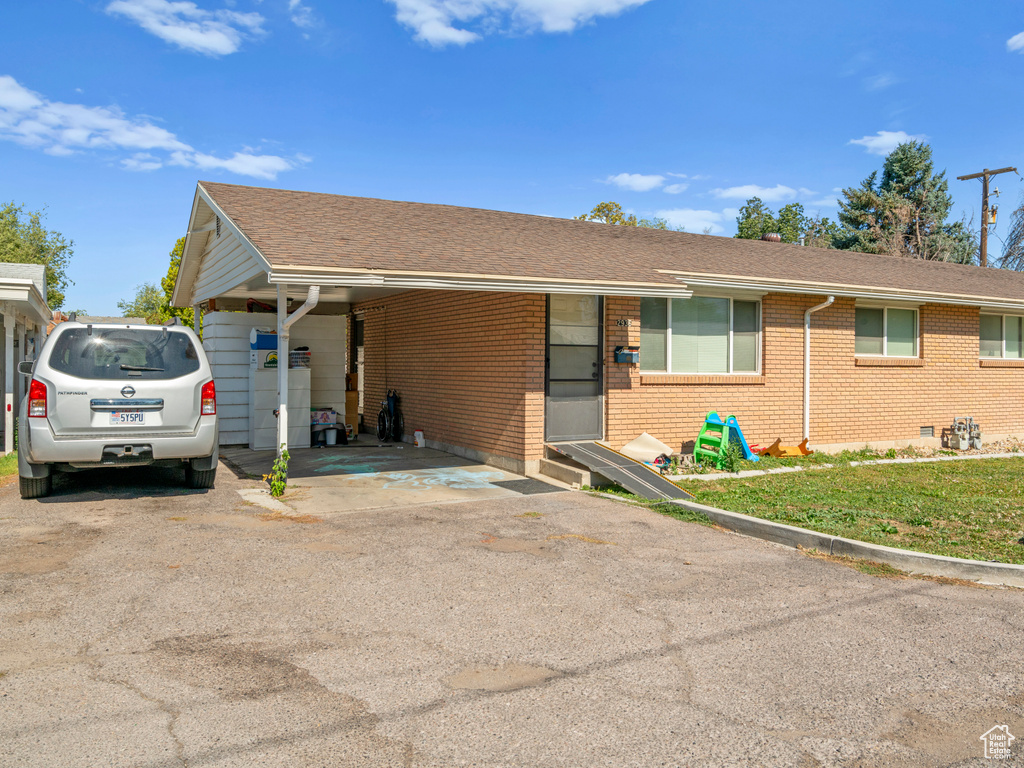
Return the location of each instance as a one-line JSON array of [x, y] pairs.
[[279, 517], [580, 538], [886, 571]]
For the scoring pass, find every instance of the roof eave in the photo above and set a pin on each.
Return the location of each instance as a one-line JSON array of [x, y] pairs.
[[767, 285], [469, 282]]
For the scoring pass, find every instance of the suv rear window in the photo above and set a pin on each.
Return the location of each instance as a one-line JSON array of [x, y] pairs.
[[123, 353]]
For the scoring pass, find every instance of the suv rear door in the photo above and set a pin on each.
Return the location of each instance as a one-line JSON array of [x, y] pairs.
[[115, 381]]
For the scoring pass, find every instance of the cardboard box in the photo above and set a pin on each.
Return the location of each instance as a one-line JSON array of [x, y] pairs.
[[323, 416]]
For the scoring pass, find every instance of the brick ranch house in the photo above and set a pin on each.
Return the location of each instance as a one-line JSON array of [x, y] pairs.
[[500, 329]]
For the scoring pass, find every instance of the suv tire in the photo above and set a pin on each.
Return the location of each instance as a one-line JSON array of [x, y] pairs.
[[35, 487], [199, 478]]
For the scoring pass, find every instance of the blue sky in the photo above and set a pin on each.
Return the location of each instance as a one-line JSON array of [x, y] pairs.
[[111, 110]]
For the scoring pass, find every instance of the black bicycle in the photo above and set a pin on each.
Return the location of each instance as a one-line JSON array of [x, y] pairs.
[[390, 422]]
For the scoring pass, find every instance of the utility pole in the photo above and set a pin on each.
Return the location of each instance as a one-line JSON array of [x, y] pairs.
[[984, 176]]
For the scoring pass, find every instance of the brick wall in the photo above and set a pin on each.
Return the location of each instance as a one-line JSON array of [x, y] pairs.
[[853, 401], [469, 367]]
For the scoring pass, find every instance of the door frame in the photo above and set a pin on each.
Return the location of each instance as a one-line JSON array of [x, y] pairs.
[[600, 367]]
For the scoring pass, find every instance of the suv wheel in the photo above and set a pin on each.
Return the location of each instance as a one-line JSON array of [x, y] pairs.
[[199, 478], [35, 487]]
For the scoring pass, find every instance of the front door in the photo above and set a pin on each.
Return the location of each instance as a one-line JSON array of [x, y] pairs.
[[574, 376]]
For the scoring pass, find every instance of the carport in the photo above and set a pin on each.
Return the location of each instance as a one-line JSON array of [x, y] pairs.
[[467, 339], [25, 315]]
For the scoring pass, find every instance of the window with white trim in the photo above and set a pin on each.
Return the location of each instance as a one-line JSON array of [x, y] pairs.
[[1001, 336], [886, 331], [702, 334]]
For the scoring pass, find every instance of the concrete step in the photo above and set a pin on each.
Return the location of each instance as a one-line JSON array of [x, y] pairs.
[[571, 473]]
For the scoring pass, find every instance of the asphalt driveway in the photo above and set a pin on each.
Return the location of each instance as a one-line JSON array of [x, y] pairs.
[[145, 626]]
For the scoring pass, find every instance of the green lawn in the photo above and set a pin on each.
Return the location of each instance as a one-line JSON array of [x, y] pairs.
[[9, 465], [972, 509]]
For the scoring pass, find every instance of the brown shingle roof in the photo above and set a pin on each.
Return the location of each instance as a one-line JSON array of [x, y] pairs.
[[307, 229]]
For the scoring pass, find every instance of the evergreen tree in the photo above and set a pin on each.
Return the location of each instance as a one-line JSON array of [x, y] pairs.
[[904, 212]]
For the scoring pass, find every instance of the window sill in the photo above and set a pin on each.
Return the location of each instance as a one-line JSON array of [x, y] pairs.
[[690, 379], [889, 362], [1000, 362]]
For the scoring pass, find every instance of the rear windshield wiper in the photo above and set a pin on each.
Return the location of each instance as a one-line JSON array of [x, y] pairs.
[[138, 368]]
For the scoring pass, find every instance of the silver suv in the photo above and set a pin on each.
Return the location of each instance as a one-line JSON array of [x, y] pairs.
[[109, 395]]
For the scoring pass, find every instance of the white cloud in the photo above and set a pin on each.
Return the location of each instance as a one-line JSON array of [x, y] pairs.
[[675, 189], [886, 141], [142, 161], [879, 82], [768, 194], [30, 119], [697, 221], [636, 182], [434, 21], [242, 163], [188, 26], [301, 14], [1016, 43], [825, 202]]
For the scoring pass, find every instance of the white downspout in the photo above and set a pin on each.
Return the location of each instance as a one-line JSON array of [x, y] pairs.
[[807, 363], [284, 324]]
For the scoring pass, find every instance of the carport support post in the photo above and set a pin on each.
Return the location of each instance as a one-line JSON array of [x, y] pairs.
[[282, 367], [8, 381]]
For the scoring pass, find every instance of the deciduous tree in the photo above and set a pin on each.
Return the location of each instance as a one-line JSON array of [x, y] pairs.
[[1013, 246], [154, 303], [24, 240], [167, 284], [756, 220], [612, 213], [146, 303]]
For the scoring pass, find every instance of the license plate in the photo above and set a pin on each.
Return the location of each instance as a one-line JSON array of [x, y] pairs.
[[127, 417]]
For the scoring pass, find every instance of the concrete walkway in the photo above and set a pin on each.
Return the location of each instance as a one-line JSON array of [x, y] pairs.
[[366, 475]]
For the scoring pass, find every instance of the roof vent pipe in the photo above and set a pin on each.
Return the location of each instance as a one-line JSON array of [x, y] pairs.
[[807, 363]]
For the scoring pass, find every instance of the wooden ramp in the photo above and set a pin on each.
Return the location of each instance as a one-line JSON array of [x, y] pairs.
[[634, 476]]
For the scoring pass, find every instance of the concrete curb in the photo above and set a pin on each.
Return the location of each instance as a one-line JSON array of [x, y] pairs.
[[261, 497], [812, 467], [1002, 574]]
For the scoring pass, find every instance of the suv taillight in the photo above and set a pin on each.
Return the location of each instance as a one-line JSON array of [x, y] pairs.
[[37, 399], [209, 399]]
